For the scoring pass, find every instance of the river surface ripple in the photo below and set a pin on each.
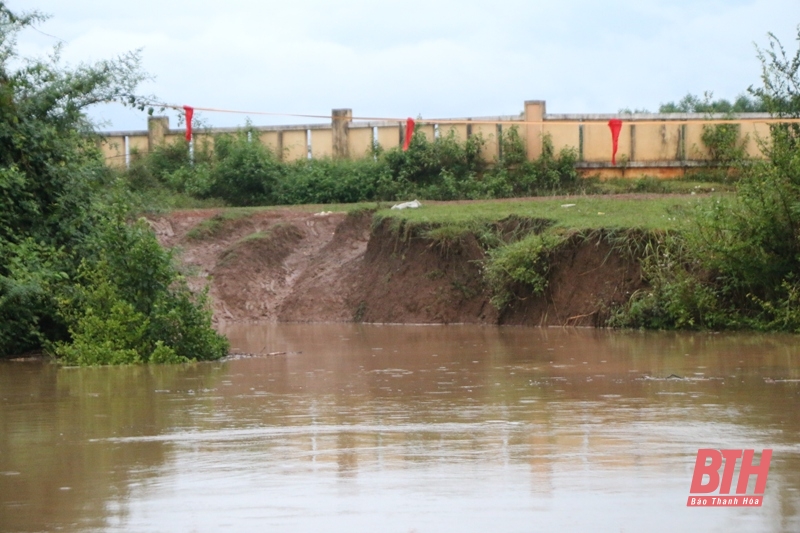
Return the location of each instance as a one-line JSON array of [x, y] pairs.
[[403, 428]]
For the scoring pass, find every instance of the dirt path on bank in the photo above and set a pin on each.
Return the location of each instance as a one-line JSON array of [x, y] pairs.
[[292, 265]]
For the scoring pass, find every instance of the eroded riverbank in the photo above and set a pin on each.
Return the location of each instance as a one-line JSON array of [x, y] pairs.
[[290, 265]]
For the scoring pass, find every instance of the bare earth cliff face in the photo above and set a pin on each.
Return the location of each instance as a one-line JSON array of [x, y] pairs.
[[290, 265]]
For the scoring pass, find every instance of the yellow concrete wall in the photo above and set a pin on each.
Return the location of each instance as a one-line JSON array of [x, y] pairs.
[[489, 134], [427, 130], [113, 149], [695, 149], [757, 133], [138, 143], [359, 142], [169, 139], [597, 144], [487, 131], [563, 135], [270, 140], [656, 142], [294, 145], [535, 111], [389, 136], [460, 131], [203, 143], [322, 143]]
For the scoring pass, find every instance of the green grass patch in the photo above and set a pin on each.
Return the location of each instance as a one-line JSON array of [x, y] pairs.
[[212, 227], [578, 212], [521, 236], [278, 233], [163, 200], [521, 264], [257, 236], [648, 184]]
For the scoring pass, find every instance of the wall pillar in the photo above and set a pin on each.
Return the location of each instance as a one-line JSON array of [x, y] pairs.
[[534, 112], [157, 128], [341, 125], [279, 146]]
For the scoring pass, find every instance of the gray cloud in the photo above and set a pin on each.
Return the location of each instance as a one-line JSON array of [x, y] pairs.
[[435, 59]]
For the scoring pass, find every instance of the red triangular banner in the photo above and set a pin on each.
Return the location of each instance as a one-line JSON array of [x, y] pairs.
[[409, 133], [616, 126], [189, 112]]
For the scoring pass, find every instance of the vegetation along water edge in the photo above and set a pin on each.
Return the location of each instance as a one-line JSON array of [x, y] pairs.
[[84, 279]]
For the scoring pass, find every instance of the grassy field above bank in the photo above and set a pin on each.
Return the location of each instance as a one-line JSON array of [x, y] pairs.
[[634, 211], [163, 200], [646, 212]]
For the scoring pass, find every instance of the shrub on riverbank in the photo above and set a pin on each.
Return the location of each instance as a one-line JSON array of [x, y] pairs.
[[525, 241], [241, 171], [738, 265], [76, 279]]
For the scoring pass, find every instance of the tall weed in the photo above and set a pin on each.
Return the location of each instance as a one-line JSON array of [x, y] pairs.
[[241, 171]]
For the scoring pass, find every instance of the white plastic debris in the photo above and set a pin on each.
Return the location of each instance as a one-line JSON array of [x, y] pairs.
[[408, 205], [567, 205], [323, 213]]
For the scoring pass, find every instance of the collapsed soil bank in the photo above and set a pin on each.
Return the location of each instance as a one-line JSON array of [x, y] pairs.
[[289, 265]]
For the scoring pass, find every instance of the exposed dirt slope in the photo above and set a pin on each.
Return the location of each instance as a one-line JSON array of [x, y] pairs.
[[292, 265], [270, 265], [411, 279], [587, 278], [327, 278]]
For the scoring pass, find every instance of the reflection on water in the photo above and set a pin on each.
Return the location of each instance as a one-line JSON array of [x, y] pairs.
[[404, 428]]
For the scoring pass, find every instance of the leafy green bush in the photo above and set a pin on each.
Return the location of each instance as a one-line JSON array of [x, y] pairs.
[[152, 169], [739, 262], [107, 330], [425, 161], [75, 277], [322, 181], [196, 181], [130, 307], [242, 171], [520, 267], [724, 145], [32, 272], [245, 172], [679, 296], [515, 175]]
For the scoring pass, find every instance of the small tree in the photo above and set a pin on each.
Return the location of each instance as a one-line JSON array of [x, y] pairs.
[[753, 244], [54, 226], [740, 265]]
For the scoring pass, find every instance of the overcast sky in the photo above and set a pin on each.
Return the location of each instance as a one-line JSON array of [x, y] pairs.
[[414, 58]]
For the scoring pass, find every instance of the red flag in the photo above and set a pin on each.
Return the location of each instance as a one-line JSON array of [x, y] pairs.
[[409, 133], [616, 125], [189, 113]]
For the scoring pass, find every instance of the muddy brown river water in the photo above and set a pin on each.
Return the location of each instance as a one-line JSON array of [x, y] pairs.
[[401, 429]]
